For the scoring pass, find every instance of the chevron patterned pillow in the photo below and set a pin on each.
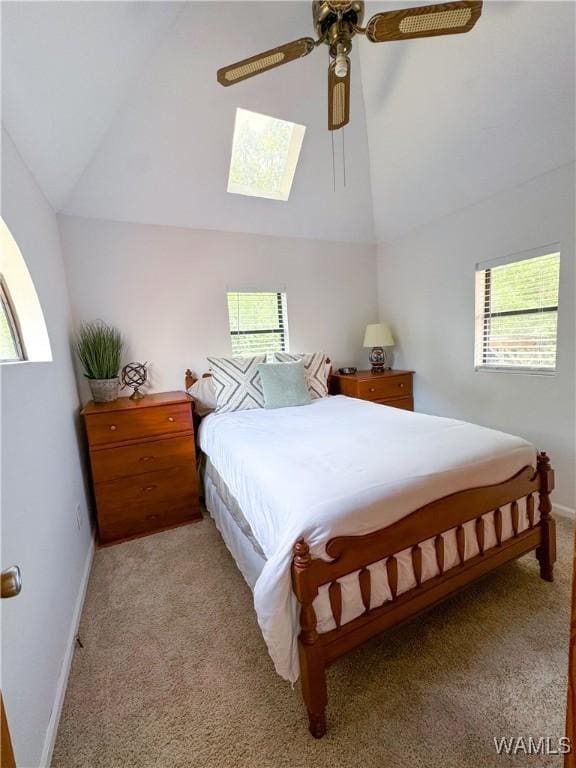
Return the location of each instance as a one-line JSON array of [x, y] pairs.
[[316, 368], [237, 382]]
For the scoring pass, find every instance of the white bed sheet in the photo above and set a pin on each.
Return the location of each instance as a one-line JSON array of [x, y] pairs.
[[250, 563], [341, 466]]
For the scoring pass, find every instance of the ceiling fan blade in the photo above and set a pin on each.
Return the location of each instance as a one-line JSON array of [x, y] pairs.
[[265, 61], [338, 98], [424, 21]]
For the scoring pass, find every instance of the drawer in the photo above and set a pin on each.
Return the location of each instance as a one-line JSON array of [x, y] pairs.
[[145, 491], [381, 387], [406, 403], [113, 463], [116, 426], [138, 520]]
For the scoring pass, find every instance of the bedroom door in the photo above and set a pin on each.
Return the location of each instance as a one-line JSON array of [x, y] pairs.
[[11, 584], [570, 760], [6, 751]]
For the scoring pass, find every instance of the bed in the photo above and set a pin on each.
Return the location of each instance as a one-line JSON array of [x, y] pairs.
[[348, 517]]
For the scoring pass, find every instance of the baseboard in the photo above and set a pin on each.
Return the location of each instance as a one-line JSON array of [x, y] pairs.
[[52, 729], [563, 511]]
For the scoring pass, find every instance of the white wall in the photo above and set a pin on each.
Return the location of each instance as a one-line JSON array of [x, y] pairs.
[[165, 288], [41, 485], [426, 290], [453, 121]]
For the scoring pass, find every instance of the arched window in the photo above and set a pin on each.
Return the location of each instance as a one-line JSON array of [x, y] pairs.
[[11, 346], [23, 332]]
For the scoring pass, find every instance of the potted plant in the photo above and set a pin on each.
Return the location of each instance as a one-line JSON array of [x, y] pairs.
[[99, 347]]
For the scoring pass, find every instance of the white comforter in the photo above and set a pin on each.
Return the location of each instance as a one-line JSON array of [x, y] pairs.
[[340, 466]]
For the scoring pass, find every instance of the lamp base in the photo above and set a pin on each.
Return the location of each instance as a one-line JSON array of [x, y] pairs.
[[379, 360]]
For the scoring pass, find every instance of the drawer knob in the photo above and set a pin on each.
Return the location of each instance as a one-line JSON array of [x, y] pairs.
[[402, 386], [170, 418], [372, 389], [145, 458], [113, 427], [149, 488]]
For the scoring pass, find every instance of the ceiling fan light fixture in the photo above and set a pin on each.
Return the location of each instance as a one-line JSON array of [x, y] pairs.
[[341, 65]]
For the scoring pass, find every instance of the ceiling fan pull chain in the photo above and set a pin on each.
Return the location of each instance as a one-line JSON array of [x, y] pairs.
[[343, 156], [333, 161], [332, 143]]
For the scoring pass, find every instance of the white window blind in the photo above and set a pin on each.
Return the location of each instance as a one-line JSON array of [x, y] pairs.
[[258, 322], [517, 312]]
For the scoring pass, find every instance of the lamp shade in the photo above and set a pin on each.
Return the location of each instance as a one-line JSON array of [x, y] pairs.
[[378, 335]]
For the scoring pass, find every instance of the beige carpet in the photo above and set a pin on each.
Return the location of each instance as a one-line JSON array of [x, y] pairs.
[[174, 671]]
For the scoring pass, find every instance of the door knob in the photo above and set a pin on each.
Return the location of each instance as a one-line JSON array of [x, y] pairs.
[[11, 582]]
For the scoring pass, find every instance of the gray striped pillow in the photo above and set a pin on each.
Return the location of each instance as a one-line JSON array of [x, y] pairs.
[[316, 369], [237, 382]]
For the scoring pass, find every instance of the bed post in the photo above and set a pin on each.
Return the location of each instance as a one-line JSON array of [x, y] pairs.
[[189, 379], [312, 666], [546, 552]]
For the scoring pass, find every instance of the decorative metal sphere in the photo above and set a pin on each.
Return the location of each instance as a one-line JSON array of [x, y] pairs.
[[134, 375]]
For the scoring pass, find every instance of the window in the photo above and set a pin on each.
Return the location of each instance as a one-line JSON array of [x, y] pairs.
[[517, 312], [258, 322], [23, 332], [265, 153], [11, 348]]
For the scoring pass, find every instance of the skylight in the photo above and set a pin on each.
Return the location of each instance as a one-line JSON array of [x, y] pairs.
[[265, 153]]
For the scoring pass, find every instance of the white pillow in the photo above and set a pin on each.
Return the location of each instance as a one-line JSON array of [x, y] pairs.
[[237, 382], [204, 396], [316, 368]]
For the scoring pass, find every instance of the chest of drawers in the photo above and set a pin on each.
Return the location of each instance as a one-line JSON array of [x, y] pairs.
[[143, 463], [389, 388]]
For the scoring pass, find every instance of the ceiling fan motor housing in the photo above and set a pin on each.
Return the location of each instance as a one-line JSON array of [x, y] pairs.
[[335, 22]]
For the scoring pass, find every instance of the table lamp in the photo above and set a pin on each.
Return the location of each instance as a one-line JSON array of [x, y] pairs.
[[378, 336]]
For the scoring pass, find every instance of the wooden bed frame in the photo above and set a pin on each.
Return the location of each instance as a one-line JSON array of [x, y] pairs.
[[352, 554]]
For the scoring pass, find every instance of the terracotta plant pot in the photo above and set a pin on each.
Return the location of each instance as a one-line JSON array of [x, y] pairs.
[[104, 390]]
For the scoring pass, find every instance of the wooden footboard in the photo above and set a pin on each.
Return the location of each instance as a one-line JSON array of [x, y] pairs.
[[353, 554]]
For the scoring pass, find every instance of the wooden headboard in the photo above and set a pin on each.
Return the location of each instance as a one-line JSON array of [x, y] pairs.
[[190, 379]]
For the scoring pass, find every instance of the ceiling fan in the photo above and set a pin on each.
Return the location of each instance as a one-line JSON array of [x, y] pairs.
[[336, 22]]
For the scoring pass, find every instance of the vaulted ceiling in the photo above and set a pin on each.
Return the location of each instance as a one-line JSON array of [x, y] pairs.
[[453, 120], [116, 110]]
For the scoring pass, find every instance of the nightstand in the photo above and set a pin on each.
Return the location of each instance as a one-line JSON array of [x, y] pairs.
[[389, 388], [143, 462]]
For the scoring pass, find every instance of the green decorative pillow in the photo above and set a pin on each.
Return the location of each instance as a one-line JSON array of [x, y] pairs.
[[284, 384]]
